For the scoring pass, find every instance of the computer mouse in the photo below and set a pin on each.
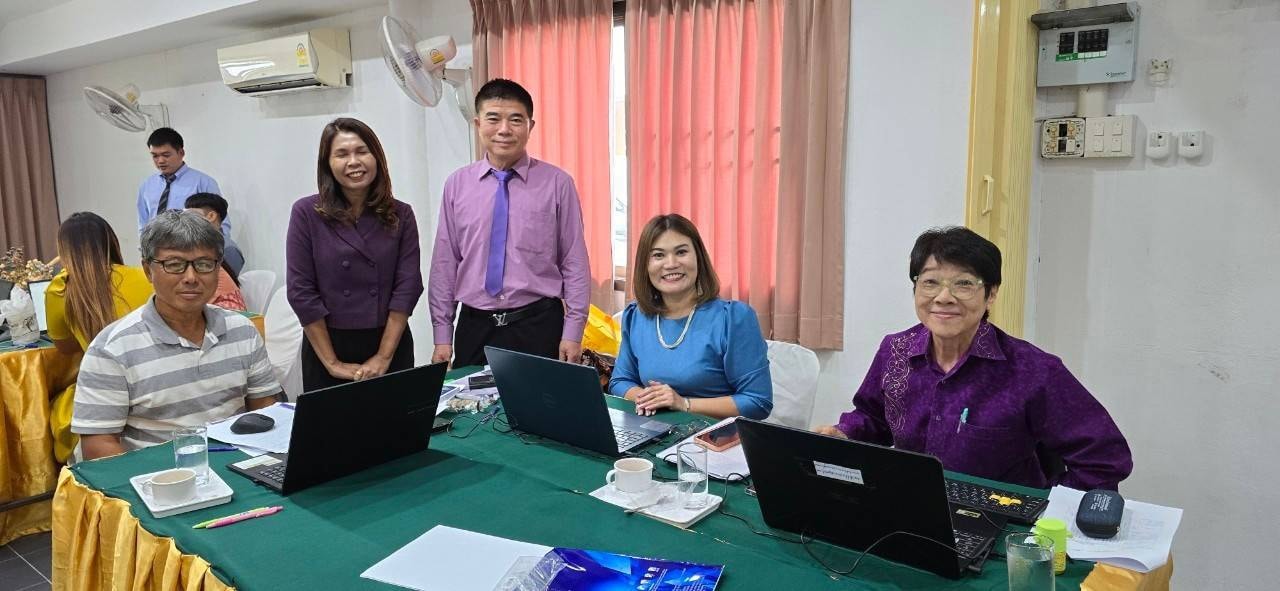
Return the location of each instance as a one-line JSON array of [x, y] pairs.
[[252, 423]]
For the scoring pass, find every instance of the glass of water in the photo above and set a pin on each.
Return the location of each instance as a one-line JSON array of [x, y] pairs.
[[191, 450], [693, 484], [1030, 560]]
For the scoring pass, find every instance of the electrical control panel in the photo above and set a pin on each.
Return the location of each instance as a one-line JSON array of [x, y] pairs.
[[1093, 137], [1062, 137], [1093, 45]]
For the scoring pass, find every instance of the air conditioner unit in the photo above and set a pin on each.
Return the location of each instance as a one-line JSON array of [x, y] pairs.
[[315, 59]]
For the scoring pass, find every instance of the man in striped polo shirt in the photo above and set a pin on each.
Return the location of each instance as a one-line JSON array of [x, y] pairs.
[[176, 361]]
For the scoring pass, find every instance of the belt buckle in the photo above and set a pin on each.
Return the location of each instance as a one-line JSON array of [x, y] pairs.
[[500, 319]]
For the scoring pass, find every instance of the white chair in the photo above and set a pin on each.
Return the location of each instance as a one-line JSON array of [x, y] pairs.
[[794, 371], [284, 343], [256, 287]]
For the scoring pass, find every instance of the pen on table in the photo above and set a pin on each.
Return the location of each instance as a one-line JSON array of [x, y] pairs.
[[964, 418], [288, 405], [238, 517], [223, 448]]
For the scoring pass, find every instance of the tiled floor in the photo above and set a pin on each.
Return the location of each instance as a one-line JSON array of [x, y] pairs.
[[24, 563]]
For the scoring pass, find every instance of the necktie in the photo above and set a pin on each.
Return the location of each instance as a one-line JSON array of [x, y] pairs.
[[164, 197], [497, 236]]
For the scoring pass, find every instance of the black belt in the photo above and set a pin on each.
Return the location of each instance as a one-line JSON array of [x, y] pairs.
[[505, 317]]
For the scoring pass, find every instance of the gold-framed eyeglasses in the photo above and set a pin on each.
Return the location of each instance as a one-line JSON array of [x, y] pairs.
[[962, 288], [179, 266]]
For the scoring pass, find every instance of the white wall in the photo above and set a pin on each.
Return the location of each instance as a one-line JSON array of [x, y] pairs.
[[907, 150], [262, 151], [1157, 283]]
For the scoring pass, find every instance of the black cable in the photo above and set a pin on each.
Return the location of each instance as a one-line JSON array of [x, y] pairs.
[[805, 544], [481, 420], [724, 502]]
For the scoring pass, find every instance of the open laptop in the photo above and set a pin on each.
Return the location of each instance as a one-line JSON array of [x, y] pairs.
[[852, 493], [563, 401], [37, 289], [346, 428]]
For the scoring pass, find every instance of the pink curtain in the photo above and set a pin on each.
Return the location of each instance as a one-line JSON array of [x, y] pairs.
[[736, 113], [559, 51], [703, 113], [28, 203], [809, 304]]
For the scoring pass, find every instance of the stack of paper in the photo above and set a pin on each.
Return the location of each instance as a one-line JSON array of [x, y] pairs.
[[448, 559], [1142, 544], [275, 440]]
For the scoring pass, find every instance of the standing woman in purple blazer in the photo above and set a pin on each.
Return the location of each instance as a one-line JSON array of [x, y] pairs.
[[353, 274]]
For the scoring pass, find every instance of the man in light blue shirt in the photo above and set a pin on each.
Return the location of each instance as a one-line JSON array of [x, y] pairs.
[[176, 181]]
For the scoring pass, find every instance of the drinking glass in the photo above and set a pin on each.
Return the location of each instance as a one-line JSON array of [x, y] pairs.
[[1030, 560], [693, 484], [191, 450]]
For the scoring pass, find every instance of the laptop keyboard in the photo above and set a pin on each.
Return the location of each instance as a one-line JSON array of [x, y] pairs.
[[969, 545], [1017, 507], [274, 473], [627, 438]]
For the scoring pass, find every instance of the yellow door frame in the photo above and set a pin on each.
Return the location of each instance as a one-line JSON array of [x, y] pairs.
[[1001, 143]]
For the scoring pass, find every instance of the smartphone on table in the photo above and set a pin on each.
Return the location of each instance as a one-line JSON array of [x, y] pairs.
[[719, 439]]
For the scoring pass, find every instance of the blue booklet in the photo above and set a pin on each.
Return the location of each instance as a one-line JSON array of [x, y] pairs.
[[592, 570]]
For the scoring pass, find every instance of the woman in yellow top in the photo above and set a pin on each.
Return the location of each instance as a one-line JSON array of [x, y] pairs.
[[93, 290]]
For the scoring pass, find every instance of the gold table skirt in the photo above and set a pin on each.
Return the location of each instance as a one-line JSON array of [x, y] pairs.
[[28, 378], [98, 545]]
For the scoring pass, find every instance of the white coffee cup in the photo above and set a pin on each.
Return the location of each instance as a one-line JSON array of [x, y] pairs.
[[172, 487], [631, 475]]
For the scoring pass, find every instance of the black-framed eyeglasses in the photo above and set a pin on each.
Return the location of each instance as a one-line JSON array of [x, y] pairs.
[[962, 288], [179, 266]]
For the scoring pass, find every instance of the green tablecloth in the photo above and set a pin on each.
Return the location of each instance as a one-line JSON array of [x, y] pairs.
[[500, 484]]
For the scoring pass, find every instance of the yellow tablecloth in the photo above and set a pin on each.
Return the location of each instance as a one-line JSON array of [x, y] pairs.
[[98, 545], [28, 378]]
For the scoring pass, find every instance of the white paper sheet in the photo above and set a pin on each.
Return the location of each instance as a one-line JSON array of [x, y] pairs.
[[1142, 544], [719, 463], [275, 440], [450, 559]]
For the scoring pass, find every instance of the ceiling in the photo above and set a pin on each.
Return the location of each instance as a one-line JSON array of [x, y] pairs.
[[11, 10], [43, 37]]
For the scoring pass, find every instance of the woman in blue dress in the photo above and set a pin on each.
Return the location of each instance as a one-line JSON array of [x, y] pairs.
[[684, 348]]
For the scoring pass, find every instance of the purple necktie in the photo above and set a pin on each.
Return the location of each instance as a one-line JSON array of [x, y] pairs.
[[497, 236]]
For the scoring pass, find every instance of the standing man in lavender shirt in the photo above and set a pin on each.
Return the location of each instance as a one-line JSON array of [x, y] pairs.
[[509, 247], [983, 402]]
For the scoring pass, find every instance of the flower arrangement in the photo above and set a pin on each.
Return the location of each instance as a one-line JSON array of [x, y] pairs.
[[16, 269]]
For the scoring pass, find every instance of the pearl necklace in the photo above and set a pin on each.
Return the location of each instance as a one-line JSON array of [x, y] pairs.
[[687, 321]]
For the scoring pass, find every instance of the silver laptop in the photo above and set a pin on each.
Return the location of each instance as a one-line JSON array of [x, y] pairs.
[[563, 401]]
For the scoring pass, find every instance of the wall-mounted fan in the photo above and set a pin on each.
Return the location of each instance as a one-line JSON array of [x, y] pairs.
[[420, 67], [122, 110]]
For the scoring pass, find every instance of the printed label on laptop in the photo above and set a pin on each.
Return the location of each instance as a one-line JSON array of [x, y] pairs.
[[263, 460], [838, 472]]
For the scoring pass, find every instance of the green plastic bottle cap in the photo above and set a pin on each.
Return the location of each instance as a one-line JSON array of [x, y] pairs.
[[1051, 525]]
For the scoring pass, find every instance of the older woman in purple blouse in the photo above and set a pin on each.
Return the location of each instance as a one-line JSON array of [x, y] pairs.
[[352, 255], [956, 387]]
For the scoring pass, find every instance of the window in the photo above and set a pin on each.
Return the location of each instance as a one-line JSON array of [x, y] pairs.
[[618, 148]]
